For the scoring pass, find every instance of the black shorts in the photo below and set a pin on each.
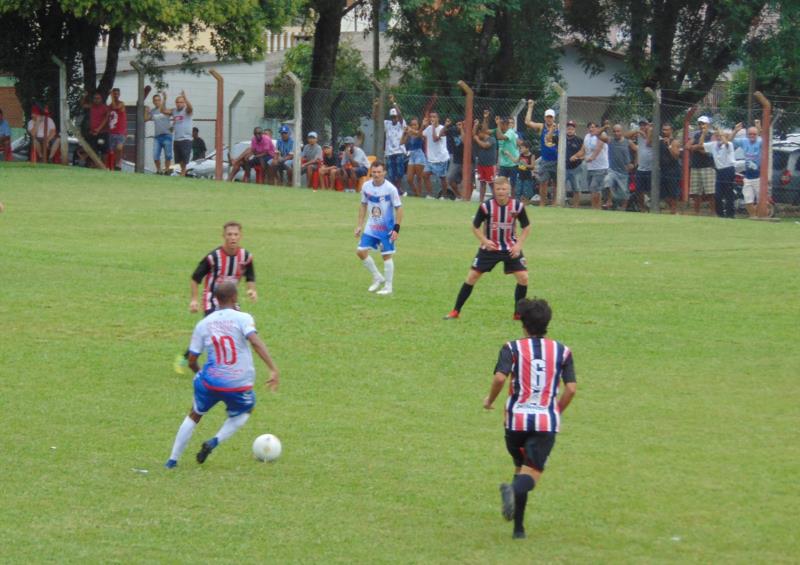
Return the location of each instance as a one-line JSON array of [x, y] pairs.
[[530, 448], [98, 142], [183, 151], [486, 260]]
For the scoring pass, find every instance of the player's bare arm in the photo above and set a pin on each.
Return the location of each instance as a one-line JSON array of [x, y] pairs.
[[498, 382], [193, 362], [485, 242], [362, 214], [570, 389], [261, 348], [398, 211], [516, 250], [252, 295], [193, 306]]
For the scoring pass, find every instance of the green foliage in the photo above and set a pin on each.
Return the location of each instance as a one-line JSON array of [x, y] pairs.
[[666, 455], [505, 48]]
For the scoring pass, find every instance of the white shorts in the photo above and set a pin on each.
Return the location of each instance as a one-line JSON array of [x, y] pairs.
[[750, 190]]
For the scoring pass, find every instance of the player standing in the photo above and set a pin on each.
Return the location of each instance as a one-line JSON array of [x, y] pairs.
[[533, 409], [499, 243], [381, 199], [228, 262], [228, 374]]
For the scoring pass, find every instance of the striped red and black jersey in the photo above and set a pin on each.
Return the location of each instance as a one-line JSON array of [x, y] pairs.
[[537, 365], [217, 267], [500, 221]]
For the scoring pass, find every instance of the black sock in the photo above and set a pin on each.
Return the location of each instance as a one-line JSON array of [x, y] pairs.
[[522, 484], [463, 294], [519, 293]]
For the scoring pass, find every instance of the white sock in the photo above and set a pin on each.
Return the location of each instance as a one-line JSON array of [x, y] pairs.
[[182, 438], [230, 426], [369, 263], [388, 272]]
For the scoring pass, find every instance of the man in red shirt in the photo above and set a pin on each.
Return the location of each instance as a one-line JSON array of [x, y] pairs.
[[98, 122], [117, 128]]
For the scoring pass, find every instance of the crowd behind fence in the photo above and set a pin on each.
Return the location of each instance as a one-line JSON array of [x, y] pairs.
[[670, 169]]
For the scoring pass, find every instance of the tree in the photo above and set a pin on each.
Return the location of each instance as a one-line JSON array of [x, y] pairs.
[[680, 45], [500, 48], [35, 30]]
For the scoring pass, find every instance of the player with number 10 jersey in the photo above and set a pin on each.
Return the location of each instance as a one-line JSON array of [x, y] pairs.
[[223, 335]]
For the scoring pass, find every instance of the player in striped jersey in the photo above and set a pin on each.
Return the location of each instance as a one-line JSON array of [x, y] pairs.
[[536, 366], [499, 243], [228, 262]]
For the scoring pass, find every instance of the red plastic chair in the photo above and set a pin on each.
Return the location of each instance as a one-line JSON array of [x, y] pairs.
[[259, 174]]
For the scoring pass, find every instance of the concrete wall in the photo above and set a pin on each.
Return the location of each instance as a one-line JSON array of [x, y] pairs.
[[579, 83]]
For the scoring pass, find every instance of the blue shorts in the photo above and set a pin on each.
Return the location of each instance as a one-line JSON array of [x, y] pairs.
[[162, 141], [417, 157], [437, 169], [396, 166], [525, 188], [235, 402], [382, 243]]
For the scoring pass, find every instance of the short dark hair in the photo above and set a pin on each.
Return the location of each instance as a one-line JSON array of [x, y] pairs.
[[535, 314], [195, 130], [232, 224], [526, 144], [226, 292], [377, 163], [590, 124]]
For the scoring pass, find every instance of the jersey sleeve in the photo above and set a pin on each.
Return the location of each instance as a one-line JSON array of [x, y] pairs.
[[568, 368], [523, 218], [203, 268], [480, 216], [196, 345], [250, 271], [505, 360], [247, 325], [396, 202]]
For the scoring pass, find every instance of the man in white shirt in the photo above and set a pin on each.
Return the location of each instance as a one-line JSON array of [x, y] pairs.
[[595, 153], [436, 153], [393, 150], [722, 150]]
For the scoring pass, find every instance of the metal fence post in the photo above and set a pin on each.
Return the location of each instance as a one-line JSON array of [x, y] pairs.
[[139, 166], [655, 175], [62, 109], [766, 151], [231, 106], [219, 125], [466, 166], [686, 177], [378, 148], [560, 195], [298, 127]]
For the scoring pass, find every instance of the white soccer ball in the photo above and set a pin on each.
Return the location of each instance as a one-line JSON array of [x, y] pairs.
[[267, 448]]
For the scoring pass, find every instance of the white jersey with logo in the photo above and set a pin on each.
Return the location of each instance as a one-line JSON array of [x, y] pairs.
[[381, 202], [223, 336]]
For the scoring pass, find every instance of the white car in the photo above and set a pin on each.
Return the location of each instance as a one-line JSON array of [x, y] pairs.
[[205, 168]]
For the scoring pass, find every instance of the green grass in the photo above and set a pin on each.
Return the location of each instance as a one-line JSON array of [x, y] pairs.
[[681, 446]]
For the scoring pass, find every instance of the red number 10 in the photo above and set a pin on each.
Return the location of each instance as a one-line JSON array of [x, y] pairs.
[[225, 349]]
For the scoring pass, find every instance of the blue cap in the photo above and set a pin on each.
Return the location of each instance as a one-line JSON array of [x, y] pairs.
[[284, 129]]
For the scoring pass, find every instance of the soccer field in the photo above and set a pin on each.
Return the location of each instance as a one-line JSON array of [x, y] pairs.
[[681, 445]]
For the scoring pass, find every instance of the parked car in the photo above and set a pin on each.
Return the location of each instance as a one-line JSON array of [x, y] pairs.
[[21, 148], [786, 172], [205, 168]]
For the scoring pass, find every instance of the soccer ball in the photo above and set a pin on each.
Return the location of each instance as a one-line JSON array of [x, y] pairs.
[[267, 448]]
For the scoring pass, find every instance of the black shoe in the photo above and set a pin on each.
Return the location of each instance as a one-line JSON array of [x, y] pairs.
[[204, 452], [507, 502], [519, 534]]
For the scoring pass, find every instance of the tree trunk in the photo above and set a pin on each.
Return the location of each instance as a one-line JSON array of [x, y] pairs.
[[115, 39], [503, 69], [323, 65], [482, 61]]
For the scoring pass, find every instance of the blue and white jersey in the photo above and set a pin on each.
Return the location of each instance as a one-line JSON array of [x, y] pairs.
[[381, 202], [752, 156], [223, 336]]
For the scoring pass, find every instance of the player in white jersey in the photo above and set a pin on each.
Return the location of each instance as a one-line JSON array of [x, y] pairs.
[[382, 209], [228, 374]]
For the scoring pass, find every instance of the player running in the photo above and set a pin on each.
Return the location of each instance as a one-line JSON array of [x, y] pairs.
[[381, 199], [533, 410], [228, 374], [228, 262], [499, 243]]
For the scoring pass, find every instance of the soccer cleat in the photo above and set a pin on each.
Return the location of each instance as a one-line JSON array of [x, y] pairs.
[[205, 450], [180, 364], [517, 316], [507, 501], [385, 290], [519, 534], [170, 464], [376, 284], [453, 315]]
